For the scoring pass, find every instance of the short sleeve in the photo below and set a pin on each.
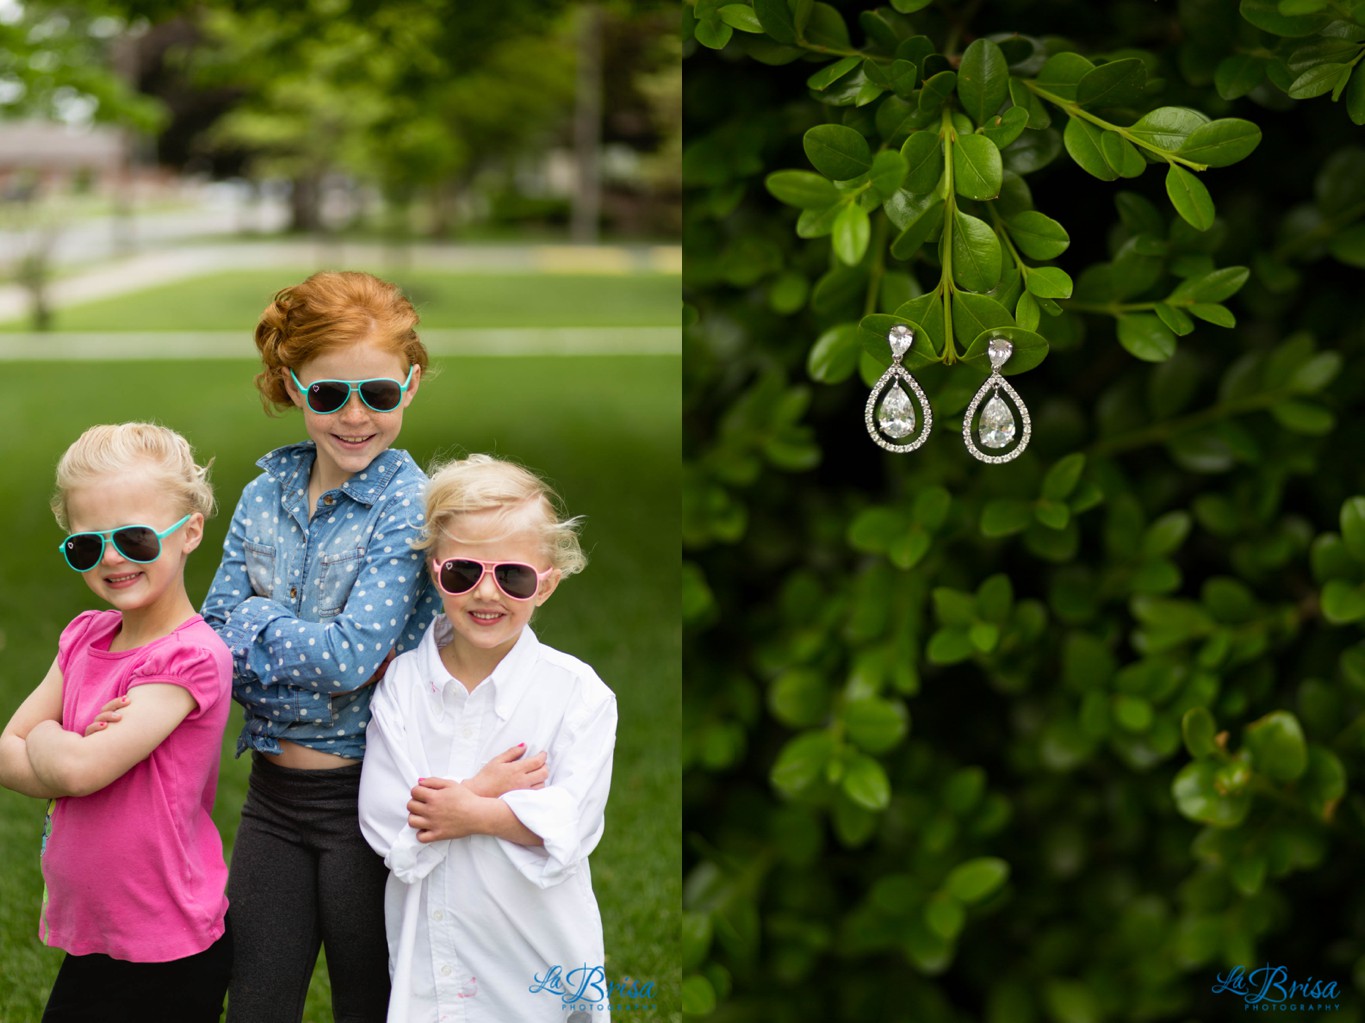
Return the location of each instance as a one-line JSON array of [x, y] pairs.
[[203, 668], [73, 637]]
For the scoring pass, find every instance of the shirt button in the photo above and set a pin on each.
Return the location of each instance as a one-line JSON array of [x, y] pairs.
[[329, 499], [438, 915], [445, 971], [468, 732], [293, 593]]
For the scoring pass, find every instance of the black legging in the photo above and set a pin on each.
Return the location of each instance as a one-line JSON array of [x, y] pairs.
[[100, 989], [303, 877]]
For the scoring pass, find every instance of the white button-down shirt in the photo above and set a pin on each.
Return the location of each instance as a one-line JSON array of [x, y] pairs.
[[476, 925]]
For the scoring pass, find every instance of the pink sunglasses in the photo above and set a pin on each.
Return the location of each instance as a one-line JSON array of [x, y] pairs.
[[460, 575]]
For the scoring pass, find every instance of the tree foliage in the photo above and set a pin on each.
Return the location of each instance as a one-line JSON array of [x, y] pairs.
[[1061, 739]]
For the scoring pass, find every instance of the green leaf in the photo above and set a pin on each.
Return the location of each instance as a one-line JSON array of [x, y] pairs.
[[923, 153], [1215, 286], [1342, 602], [828, 75], [802, 189], [1210, 312], [1355, 96], [1063, 72], [1199, 732], [1176, 319], [875, 724], [824, 27], [1038, 236], [1265, 14], [1190, 198], [1167, 128], [1349, 246], [1238, 75], [945, 916], [865, 782], [982, 79], [802, 762], [834, 356], [1048, 282], [1121, 155], [1166, 534], [977, 167], [888, 171], [1003, 516], [799, 698], [1005, 128], [1222, 142], [1039, 117], [919, 231], [1318, 80], [1199, 797], [1146, 337], [954, 607], [976, 880], [1082, 141], [740, 16], [1353, 527], [1118, 83], [1030, 348], [1062, 478], [1277, 746], [852, 232], [697, 931], [976, 252], [713, 33], [935, 92], [776, 18], [837, 152], [1303, 417], [698, 996]]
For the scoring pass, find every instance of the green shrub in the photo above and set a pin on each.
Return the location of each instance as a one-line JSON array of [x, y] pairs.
[[1071, 737]]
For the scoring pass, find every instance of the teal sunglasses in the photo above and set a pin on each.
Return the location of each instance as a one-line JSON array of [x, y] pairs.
[[140, 544], [381, 394]]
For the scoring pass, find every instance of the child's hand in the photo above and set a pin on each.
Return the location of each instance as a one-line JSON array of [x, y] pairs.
[[508, 771], [383, 667], [107, 716], [441, 808]]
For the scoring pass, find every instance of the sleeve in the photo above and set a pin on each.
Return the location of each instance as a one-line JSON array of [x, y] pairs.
[[74, 635], [569, 812], [386, 780], [284, 663], [194, 667]]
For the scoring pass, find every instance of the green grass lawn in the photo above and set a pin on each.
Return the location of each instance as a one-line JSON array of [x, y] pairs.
[[232, 301], [605, 429]]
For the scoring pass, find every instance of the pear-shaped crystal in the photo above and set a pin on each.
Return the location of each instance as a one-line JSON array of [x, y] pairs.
[[997, 423], [900, 338], [896, 418]]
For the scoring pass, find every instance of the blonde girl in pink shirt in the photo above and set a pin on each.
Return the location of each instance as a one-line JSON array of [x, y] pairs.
[[133, 863]]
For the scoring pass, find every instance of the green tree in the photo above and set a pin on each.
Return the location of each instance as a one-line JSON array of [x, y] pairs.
[[1064, 738]]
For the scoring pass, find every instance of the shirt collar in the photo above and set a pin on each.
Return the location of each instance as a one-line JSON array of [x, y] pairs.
[[509, 679], [291, 464]]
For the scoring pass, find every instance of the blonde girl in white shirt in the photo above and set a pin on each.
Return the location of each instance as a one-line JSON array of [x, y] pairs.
[[489, 906]]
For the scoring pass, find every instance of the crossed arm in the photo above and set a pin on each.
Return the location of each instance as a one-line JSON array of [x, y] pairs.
[[38, 757]]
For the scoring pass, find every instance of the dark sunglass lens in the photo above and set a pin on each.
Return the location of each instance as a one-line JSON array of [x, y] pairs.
[[137, 543], [381, 395], [517, 580], [459, 576], [83, 551], [325, 396]]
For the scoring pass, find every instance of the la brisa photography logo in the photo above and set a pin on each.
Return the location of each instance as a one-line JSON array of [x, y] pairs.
[[586, 990], [1272, 989]]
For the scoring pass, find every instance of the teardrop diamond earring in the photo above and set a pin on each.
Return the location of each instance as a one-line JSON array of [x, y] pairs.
[[997, 427], [890, 412]]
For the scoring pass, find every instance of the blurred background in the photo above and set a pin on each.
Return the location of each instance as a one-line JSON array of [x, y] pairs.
[[167, 166]]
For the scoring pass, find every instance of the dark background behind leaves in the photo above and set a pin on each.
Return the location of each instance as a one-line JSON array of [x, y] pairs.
[[1061, 739]]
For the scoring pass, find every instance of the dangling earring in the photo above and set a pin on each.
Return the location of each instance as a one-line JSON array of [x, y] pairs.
[[997, 427], [895, 418]]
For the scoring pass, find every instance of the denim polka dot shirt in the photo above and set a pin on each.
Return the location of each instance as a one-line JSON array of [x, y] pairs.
[[311, 607]]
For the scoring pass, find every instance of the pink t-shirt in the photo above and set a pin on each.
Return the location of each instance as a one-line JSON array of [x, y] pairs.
[[135, 871]]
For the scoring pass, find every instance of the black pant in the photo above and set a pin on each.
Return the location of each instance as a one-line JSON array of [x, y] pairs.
[[100, 989], [303, 877]]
